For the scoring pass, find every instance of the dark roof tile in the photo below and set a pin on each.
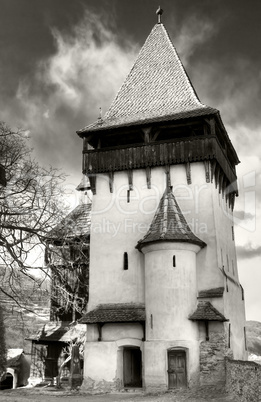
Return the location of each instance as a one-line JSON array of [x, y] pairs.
[[215, 292], [122, 312], [169, 224], [206, 312]]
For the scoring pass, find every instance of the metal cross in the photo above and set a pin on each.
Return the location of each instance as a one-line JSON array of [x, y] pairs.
[[159, 13]]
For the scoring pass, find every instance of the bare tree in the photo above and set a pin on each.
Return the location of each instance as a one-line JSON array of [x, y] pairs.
[[67, 256], [31, 204], [2, 345]]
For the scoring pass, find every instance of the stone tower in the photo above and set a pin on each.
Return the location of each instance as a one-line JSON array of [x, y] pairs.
[[165, 302]]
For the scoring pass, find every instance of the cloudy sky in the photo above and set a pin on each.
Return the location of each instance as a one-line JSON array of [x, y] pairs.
[[61, 60]]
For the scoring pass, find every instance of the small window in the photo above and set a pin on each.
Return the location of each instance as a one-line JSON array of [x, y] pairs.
[[245, 338], [125, 261], [174, 261], [233, 234], [128, 195], [151, 321]]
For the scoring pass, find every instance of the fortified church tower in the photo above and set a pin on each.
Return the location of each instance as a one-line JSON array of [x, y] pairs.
[[165, 302]]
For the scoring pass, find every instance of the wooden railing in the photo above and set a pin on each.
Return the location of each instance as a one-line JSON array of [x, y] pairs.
[[158, 154]]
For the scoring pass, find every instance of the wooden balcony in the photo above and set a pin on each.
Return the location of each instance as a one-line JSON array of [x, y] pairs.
[[158, 154]]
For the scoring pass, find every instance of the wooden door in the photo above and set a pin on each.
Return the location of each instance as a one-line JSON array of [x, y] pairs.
[[132, 367], [177, 369]]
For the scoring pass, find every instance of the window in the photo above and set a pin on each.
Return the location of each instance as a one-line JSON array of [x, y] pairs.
[[245, 338], [233, 234], [174, 261], [125, 261]]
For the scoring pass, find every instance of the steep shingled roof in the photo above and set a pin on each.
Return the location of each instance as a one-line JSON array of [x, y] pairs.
[[206, 312], [156, 89], [169, 224], [122, 312], [76, 224]]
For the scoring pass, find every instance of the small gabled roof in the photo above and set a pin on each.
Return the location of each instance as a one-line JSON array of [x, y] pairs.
[[156, 89], [206, 312], [169, 224], [121, 312], [75, 225]]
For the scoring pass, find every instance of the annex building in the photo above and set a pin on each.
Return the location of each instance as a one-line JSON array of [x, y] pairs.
[[165, 302]]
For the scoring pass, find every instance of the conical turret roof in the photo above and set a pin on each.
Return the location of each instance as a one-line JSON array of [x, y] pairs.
[[169, 224], [156, 89]]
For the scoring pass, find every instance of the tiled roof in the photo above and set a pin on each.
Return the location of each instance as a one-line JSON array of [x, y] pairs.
[[206, 312], [13, 357], [58, 332], [215, 292], [156, 89], [169, 224], [123, 312], [76, 224]]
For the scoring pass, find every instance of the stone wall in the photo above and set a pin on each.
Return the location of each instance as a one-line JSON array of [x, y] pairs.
[[212, 359], [243, 380], [101, 387]]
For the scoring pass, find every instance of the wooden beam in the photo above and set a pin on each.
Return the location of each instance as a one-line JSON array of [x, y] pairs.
[[130, 179], [207, 171], [155, 136], [111, 181], [212, 126], [188, 173], [146, 134], [92, 178], [148, 176], [217, 173], [168, 179], [220, 181], [213, 169]]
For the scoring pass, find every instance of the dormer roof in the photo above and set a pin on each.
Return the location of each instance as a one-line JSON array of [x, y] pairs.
[[156, 89], [169, 224], [206, 312]]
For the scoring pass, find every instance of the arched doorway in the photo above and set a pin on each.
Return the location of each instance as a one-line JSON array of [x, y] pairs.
[[177, 372], [8, 382], [132, 367]]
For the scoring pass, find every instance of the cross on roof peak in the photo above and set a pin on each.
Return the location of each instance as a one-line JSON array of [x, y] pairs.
[[159, 13]]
